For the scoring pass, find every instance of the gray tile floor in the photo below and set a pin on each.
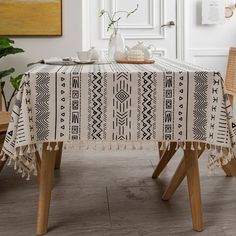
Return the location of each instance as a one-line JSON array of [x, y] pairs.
[[113, 194]]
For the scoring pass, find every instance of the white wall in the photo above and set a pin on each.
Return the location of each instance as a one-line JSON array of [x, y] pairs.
[[37, 48], [207, 45]]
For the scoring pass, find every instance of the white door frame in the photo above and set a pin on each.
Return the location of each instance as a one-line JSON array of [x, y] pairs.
[[180, 31]]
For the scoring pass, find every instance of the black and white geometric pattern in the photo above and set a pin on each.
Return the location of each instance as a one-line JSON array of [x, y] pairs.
[[112, 103]]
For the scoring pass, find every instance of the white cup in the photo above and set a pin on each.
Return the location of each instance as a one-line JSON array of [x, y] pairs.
[[84, 55]]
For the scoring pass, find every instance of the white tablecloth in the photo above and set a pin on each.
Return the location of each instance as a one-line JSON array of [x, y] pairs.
[[120, 106]]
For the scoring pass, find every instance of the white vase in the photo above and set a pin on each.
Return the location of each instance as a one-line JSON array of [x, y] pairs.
[[116, 44]]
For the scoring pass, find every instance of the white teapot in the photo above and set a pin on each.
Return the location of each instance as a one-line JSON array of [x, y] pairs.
[[146, 50]]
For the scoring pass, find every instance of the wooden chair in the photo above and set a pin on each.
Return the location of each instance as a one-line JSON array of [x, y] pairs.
[[230, 79], [230, 84], [4, 121]]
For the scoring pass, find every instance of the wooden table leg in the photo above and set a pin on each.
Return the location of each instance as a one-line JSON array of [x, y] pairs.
[[59, 156], [46, 178], [166, 156], [178, 178], [193, 179]]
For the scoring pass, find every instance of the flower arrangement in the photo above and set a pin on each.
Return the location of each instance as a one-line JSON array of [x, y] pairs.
[[116, 17]]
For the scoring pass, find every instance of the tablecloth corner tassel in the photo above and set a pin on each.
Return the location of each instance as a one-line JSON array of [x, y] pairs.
[[20, 171], [15, 165], [9, 162], [184, 147], [56, 148], [199, 146], [23, 174], [229, 156], [177, 146], [192, 146], [29, 149], [221, 151], [35, 173], [28, 177], [4, 157], [21, 151], [49, 148], [168, 146], [162, 145]]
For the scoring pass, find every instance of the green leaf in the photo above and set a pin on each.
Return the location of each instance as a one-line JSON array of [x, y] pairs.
[[102, 12], [6, 47], [2, 84], [5, 43], [6, 40], [6, 72], [15, 81], [10, 50]]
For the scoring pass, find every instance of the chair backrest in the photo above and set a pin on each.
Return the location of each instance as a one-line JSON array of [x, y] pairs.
[[230, 80], [0, 99]]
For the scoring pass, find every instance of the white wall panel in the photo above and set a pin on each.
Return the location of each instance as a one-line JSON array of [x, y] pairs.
[[207, 45], [143, 24]]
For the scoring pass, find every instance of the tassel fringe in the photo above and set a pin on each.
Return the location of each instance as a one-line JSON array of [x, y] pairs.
[[25, 165]]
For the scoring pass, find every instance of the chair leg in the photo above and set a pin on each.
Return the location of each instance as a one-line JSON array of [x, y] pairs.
[[177, 178], [59, 156], [193, 179], [230, 168], [46, 178], [2, 163], [166, 156]]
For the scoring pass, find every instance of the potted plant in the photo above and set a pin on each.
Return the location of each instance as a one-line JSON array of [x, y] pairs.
[[116, 41], [7, 48]]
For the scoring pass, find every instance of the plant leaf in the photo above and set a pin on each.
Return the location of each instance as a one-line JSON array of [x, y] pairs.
[[10, 50], [15, 81], [101, 13], [6, 72], [5, 43], [2, 84]]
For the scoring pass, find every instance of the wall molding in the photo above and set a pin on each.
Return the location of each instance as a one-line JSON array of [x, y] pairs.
[[150, 25], [155, 35], [181, 40], [181, 44], [198, 53], [85, 20]]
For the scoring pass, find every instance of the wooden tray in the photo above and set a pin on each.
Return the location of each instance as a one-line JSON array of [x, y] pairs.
[[135, 62]]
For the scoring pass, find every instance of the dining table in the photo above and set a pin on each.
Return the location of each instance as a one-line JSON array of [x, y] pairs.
[[108, 106]]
